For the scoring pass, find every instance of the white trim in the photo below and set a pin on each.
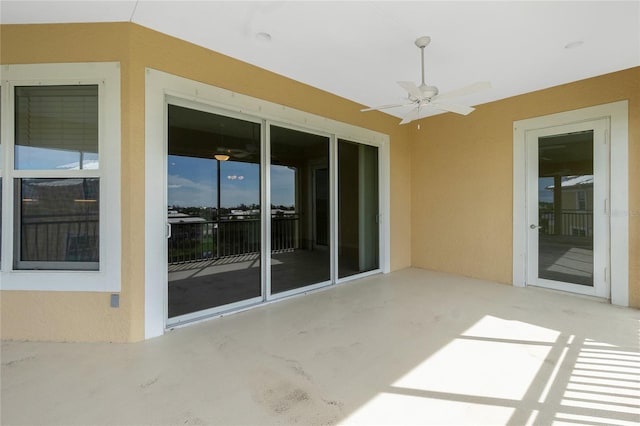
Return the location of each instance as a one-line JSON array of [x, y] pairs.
[[384, 163], [617, 113], [600, 236], [107, 76], [265, 193], [159, 85], [217, 311], [298, 290], [348, 278], [334, 204]]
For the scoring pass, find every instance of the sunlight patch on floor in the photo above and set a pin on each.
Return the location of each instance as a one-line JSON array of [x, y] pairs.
[[604, 380], [492, 359], [499, 328], [566, 419], [481, 376], [480, 368], [396, 409]]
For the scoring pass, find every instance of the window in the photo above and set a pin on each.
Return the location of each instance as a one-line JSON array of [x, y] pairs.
[[62, 150], [57, 219], [581, 200]]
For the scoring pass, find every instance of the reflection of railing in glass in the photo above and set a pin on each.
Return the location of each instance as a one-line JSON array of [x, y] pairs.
[[574, 223], [196, 241], [74, 239]]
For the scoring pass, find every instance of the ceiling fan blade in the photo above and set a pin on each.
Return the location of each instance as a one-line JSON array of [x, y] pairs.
[[458, 109], [467, 90], [411, 88], [413, 115], [384, 107]]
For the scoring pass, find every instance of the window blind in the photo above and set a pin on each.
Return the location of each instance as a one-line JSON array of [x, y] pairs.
[[57, 117]]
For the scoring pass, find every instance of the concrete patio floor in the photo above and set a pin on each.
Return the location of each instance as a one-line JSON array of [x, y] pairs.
[[411, 347]]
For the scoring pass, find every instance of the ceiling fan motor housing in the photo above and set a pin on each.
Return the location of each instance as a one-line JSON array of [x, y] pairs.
[[428, 91], [423, 41]]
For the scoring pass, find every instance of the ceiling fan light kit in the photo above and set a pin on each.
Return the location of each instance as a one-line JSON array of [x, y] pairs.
[[429, 96]]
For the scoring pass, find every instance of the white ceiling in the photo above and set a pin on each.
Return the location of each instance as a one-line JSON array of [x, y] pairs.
[[358, 50]]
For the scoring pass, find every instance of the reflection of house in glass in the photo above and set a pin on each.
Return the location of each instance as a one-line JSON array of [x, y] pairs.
[[575, 213]]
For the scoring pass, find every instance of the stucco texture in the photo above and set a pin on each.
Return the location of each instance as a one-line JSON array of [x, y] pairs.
[[82, 316], [451, 181], [462, 178]]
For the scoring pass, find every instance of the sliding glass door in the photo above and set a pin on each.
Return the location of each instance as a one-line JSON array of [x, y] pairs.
[[217, 223], [358, 214], [213, 211], [299, 175]]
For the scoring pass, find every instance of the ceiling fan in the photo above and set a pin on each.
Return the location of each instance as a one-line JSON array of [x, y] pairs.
[[237, 153], [429, 96]]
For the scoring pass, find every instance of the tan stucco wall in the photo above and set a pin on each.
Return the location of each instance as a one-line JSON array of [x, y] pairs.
[[73, 316], [462, 170], [454, 165], [87, 316]]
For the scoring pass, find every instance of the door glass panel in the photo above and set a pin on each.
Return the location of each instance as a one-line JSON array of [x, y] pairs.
[[213, 209], [565, 208], [299, 209], [358, 231]]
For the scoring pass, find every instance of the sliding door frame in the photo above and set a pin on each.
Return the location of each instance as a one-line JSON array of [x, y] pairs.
[[234, 306], [160, 87]]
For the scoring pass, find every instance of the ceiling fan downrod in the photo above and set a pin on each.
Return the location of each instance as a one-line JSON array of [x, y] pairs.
[[427, 91], [422, 42]]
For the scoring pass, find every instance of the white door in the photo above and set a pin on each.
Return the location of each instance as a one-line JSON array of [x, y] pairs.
[[567, 208]]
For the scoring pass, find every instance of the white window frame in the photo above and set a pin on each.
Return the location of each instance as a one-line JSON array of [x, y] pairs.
[[107, 76]]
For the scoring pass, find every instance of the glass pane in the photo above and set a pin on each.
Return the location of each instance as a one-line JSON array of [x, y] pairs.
[[358, 245], [0, 177], [213, 210], [1, 165], [0, 216], [565, 207], [58, 223], [56, 127], [299, 209]]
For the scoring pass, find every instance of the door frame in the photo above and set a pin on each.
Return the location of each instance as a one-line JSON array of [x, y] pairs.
[[601, 258], [616, 114], [158, 86]]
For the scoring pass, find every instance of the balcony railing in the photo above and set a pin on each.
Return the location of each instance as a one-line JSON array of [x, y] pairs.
[[209, 240], [574, 223]]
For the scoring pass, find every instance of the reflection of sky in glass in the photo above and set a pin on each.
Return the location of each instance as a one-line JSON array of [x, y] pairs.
[[37, 158], [234, 192], [192, 183], [283, 184], [545, 195]]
